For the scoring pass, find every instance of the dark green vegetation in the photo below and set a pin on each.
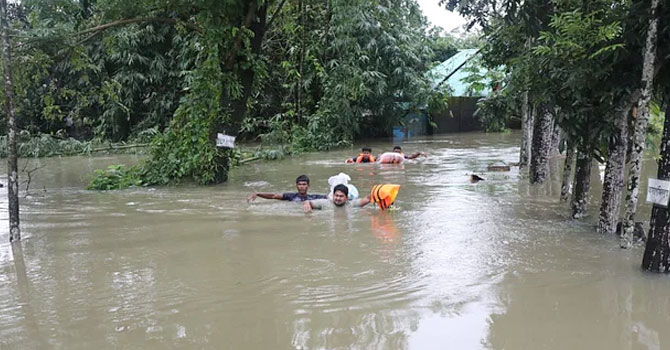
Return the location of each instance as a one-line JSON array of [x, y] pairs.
[[599, 71], [582, 57], [304, 74]]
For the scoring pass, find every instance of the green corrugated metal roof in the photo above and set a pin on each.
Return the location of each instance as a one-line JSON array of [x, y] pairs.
[[458, 86]]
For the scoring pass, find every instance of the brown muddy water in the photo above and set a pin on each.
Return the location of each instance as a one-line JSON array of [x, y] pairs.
[[492, 265]]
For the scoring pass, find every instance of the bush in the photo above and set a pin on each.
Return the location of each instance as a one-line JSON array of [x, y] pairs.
[[116, 177], [496, 111], [43, 145]]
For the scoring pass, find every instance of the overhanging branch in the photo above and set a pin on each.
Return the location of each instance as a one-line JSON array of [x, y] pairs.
[[134, 20], [275, 14]]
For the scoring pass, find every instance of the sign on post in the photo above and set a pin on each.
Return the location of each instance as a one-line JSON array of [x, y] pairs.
[[225, 141], [658, 192]]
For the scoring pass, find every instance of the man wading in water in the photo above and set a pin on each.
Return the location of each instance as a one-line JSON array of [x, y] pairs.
[[301, 184], [340, 199]]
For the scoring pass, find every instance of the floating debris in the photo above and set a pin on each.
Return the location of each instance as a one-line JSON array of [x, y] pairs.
[[498, 167], [475, 178]]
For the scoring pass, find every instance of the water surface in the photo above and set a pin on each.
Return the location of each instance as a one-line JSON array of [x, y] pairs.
[[492, 265]]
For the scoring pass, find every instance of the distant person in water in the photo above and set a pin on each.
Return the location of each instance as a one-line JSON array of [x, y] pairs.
[[365, 156], [340, 199], [398, 149], [301, 184]]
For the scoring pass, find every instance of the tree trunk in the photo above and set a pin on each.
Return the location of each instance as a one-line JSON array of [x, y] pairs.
[[256, 21], [326, 32], [613, 184], [298, 110], [640, 128], [554, 149], [657, 252], [582, 184], [85, 8], [539, 169], [567, 171], [526, 132], [247, 74], [12, 154], [554, 182]]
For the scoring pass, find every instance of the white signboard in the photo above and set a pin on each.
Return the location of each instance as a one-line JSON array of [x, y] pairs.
[[658, 192], [225, 141]]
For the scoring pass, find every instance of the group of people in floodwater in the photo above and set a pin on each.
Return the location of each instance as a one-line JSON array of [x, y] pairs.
[[390, 157], [340, 192]]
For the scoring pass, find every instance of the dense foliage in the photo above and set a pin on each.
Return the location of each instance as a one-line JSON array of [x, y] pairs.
[[580, 57], [307, 74]]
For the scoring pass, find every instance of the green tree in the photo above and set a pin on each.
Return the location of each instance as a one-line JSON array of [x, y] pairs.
[[311, 74]]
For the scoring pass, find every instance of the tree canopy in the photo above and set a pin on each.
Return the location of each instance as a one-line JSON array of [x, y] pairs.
[[310, 74]]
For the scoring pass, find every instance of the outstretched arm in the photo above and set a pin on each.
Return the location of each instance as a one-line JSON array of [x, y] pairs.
[[416, 155], [316, 204], [265, 195], [364, 201]]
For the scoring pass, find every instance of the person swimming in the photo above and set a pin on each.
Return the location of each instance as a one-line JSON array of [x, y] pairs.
[[340, 199], [364, 157], [382, 195], [397, 157], [398, 149], [301, 184]]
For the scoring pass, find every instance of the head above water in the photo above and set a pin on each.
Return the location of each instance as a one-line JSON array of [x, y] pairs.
[[397, 149], [302, 184], [340, 195], [366, 150]]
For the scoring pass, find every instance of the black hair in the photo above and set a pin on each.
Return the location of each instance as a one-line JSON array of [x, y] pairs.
[[342, 188], [397, 147], [366, 148], [302, 178]]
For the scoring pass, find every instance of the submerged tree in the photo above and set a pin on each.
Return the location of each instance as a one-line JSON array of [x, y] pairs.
[[527, 122], [12, 165], [639, 136], [588, 60], [541, 146], [657, 251], [567, 170], [613, 183]]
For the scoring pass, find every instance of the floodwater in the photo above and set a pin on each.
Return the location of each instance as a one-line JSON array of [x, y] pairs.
[[492, 265]]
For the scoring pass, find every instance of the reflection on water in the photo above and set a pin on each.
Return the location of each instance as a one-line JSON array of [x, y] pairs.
[[384, 228], [492, 265]]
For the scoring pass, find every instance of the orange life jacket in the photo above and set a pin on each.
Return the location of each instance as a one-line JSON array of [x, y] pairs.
[[384, 195], [365, 158]]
